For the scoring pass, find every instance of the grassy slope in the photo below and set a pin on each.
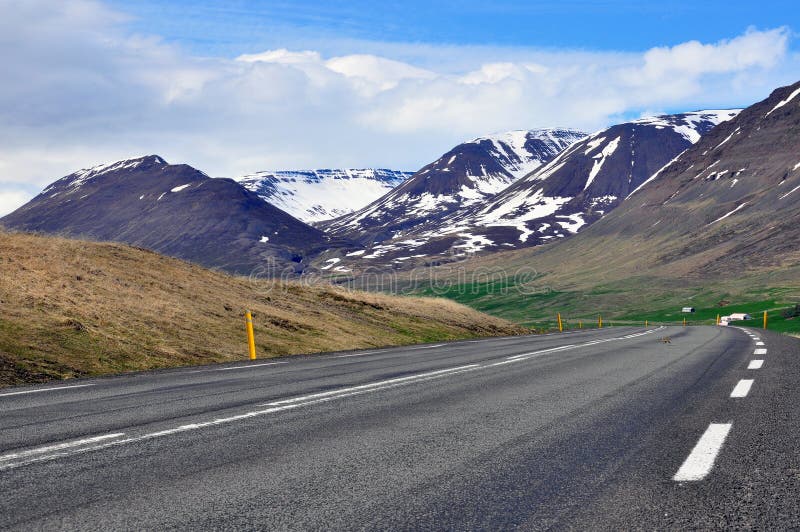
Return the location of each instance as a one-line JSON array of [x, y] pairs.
[[72, 308], [618, 284]]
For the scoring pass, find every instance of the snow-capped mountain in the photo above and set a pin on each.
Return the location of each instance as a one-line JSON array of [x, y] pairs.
[[173, 209], [316, 195], [589, 179], [467, 175], [584, 182]]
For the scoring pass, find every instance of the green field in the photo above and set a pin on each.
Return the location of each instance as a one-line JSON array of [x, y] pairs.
[[629, 302]]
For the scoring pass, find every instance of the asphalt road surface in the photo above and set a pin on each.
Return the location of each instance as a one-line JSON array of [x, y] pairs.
[[603, 429]]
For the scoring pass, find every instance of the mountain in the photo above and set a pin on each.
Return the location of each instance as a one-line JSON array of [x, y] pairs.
[[575, 189], [729, 204], [316, 195], [587, 180], [719, 225], [467, 175], [173, 209]]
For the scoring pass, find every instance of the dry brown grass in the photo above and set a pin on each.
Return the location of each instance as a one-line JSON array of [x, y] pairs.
[[72, 308]]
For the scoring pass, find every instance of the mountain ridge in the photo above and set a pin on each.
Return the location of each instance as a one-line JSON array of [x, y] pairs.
[[467, 174], [173, 209], [578, 186]]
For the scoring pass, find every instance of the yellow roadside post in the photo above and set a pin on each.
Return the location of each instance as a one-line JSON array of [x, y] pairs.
[[718, 319], [560, 325], [645, 323], [600, 321], [251, 340], [684, 322], [580, 324], [765, 319]]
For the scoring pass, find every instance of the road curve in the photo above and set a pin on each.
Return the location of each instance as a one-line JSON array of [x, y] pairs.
[[601, 429]]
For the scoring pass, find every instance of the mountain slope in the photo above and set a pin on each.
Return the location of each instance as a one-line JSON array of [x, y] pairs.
[[720, 224], [575, 189], [466, 175], [74, 308], [316, 195], [589, 179], [173, 209]]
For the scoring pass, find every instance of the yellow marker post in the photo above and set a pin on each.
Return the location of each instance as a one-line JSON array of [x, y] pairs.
[[765, 319], [580, 324], [560, 325], [645, 323], [718, 319], [684, 322], [251, 339], [600, 321]]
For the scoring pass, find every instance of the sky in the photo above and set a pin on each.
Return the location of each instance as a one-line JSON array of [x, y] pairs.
[[234, 87]]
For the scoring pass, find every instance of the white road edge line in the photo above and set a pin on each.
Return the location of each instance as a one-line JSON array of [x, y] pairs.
[[409, 379], [534, 354], [700, 461], [760, 352], [742, 388], [755, 364], [22, 392], [59, 446], [252, 366], [345, 392], [357, 354]]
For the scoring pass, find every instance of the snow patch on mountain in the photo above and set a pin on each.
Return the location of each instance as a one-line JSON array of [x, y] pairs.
[[600, 158], [315, 195], [781, 103], [77, 179], [515, 150], [688, 124]]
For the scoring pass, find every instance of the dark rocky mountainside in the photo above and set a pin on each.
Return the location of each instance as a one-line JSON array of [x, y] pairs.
[[732, 202], [729, 206], [172, 209]]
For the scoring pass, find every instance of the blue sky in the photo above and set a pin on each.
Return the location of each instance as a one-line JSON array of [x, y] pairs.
[[236, 27], [237, 87]]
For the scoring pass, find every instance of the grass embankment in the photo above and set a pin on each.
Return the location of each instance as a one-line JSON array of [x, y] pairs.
[[72, 308]]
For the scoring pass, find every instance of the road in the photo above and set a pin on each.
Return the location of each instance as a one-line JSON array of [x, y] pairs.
[[602, 429]]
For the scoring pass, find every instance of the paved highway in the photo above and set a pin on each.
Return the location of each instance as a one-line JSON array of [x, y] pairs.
[[602, 429]]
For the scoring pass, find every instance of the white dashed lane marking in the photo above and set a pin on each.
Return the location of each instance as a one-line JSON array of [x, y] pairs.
[[742, 388], [760, 352], [755, 364], [700, 461]]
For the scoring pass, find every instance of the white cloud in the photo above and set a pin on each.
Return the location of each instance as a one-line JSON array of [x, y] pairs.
[[282, 56], [753, 49], [80, 90], [382, 73], [10, 200]]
